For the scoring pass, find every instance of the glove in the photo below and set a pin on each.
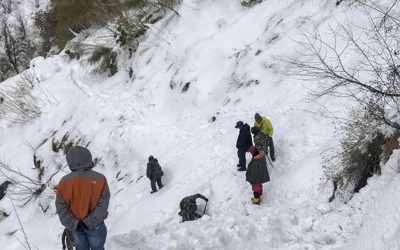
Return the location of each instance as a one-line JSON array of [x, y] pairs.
[[81, 226]]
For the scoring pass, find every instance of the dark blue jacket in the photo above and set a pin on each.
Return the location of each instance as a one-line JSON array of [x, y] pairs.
[[244, 140]]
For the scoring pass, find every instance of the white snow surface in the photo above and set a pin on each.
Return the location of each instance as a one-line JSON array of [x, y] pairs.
[[220, 48]]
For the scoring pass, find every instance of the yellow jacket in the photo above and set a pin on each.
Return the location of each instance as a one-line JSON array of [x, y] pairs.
[[265, 126]]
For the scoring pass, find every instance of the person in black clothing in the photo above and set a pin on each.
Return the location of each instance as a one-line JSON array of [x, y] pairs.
[[243, 143], [67, 240], [188, 207], [154, 173]]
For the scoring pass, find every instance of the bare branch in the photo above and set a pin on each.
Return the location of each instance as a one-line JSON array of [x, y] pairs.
[[27, 246]]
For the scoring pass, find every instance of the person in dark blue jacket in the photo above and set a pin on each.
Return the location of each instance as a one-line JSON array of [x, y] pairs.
[[243, 143]]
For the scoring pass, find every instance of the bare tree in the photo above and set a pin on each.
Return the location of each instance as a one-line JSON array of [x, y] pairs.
[[372, 80], [6, 5], [18, 49], [27, 47], [11, 50], [361, 64]]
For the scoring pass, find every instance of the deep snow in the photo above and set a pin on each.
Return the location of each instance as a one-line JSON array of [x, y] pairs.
[[221, 48]]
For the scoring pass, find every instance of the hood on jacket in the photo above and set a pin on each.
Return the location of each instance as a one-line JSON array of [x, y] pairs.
[[257, 117], [79, 158]]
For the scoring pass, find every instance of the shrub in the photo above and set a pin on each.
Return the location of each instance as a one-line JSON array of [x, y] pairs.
[[18, 104], [98, 54], [107, 60], [363, 148], [72, 55]]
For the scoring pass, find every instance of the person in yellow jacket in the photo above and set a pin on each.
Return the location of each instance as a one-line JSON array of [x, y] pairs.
[[265, 126]]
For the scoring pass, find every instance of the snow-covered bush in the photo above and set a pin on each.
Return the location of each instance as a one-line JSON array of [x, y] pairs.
[[358, 157], [364, 149]]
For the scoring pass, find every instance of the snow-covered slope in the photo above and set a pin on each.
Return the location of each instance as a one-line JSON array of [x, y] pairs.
[[227, 55]]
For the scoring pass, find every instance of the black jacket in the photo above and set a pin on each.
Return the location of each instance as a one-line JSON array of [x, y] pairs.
[[189, 203], [244, 140], [154, 170]]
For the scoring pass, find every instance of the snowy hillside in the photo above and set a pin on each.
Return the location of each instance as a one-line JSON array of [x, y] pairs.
[[225, 55]]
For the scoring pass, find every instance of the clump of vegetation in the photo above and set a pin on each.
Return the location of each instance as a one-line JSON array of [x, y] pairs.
[[185, 87], [18, 104], [362, 153], [130, 17], [64, 144], [72, 55], [358, 157], [75, 16], [107, 60], [126, 20]]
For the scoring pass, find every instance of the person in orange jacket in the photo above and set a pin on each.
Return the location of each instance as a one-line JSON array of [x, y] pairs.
[[82, 200]]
